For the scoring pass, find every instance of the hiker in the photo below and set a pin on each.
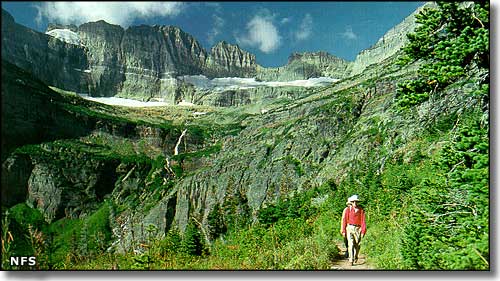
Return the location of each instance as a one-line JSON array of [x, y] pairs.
[[353, 227], [346, 254]]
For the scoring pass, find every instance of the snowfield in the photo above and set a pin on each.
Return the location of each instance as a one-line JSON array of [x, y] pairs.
[[65, 35], [124, 102], [235, 83], [216, 85]]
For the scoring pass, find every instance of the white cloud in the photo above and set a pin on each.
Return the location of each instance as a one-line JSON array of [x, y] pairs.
[[122, 13], [305, 29], [349, 34], [216, 29], [261, 33]]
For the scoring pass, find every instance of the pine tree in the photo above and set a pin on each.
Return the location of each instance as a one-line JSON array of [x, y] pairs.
[[451, 40], [192, 240]]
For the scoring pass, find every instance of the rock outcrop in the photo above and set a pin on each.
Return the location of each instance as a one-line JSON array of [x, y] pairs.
[[303, 66], [102, 42], [231, 61]]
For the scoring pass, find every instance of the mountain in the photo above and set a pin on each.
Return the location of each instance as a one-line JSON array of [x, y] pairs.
[[392, 41], [144, 62], [107, 60], [228, 60], [307, 65], [102, 59], [53, 61]]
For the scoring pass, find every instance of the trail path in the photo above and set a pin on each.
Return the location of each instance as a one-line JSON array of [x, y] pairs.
[[341, 263]]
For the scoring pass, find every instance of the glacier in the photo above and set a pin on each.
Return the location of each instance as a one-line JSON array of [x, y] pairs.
[[65, 35], [201, 82], [235, 83]]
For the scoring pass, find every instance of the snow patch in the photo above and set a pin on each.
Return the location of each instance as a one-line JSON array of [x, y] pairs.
[[199, 113], [135, 103], [236, 83], [85, 70], [65, 35], [185, 103], [123, 102]]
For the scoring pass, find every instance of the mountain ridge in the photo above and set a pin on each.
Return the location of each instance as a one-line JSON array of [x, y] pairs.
[[144, 61]]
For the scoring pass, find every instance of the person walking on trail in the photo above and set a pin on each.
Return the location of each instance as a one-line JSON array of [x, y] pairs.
[[346, 254], [353, 227]]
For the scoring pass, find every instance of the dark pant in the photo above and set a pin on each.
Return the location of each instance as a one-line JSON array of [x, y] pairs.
[[346, 255]]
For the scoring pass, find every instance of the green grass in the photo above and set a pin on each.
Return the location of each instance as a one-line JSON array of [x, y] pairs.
[[62, 151], [21, 217], [79, 239]]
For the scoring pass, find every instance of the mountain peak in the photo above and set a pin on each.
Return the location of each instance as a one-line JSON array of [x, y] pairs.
[[6, 16], [53, 26], [225, 45], [100, 23]]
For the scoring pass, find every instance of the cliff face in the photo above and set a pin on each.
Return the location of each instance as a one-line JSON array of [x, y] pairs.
[[387, 46], [302, 66], [102, 43], [55, 171], [229, 60], [103, 59], [154, 56], [55, 62]]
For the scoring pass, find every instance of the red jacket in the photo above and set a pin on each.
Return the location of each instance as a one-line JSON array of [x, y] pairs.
[[354, 216]]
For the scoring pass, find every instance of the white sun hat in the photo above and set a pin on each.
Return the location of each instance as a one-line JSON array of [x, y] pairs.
[[353, 198]]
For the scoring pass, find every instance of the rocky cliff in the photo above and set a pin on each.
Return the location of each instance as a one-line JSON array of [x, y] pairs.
[[53, 61], [392, 41], [102, 44], [154, 56], [302, 66], [230, 60], [103, 59], [33, 114], [143, 62]]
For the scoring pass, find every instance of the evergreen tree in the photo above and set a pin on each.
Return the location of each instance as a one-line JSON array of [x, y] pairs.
[[449, 210], [451, 40], [192, 241], [216, 223], [449, 220]]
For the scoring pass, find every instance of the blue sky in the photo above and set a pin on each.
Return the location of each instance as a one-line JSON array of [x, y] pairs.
[[270, 30]]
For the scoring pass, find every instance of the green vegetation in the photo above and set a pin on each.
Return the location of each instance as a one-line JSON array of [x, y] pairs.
[[449, 217], [452, 39], [21, 233]]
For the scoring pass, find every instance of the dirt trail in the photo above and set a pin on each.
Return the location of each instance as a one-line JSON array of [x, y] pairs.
[[341, 263]]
